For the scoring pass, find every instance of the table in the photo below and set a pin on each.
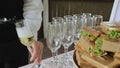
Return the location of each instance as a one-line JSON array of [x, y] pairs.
[[47, 62]]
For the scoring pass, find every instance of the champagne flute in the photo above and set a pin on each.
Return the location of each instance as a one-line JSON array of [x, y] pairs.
[[77, 19], [68, 30], [58, 21], [97, 19], [53, 40], [25, 35], [86, 19], [67, 34]]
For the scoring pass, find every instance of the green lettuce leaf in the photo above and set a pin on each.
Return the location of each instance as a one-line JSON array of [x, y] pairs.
[[83, 33], [98, 45], [112, 34]]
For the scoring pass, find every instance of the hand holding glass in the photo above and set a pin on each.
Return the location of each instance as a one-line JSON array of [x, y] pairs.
[[25, 35]]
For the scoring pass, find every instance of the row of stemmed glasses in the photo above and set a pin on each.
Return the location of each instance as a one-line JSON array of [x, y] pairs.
[[60, 31], [85, 19], [66, 30]]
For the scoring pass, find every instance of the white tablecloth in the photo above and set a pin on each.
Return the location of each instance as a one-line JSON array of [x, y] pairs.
[[48, 64]]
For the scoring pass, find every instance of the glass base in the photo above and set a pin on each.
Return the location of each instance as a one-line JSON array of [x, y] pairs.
[[66, 62]]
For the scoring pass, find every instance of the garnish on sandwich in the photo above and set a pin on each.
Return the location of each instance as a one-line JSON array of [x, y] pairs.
[[111, 30], [112, 34], [83, 33], [89, 33], [98, 45]]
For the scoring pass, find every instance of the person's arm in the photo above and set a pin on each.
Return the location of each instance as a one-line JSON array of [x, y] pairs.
[[32, 13], [33, 17]]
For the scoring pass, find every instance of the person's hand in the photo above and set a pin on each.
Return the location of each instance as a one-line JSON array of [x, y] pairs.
[[36, 52]]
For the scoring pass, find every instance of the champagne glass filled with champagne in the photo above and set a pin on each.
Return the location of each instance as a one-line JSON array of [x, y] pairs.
[[25, 35]]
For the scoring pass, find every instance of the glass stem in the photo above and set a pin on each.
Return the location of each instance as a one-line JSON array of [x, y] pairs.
[[54, 55], [66, 52]]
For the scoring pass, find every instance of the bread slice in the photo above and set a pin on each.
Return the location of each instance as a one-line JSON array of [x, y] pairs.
[[91, 34], [85, 44], [78, 46], [81, 62], [106, 26], [110, 45], [89, 47], [99, 62]]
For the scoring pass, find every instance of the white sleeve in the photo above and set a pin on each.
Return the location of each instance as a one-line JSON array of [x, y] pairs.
[[32, 13]]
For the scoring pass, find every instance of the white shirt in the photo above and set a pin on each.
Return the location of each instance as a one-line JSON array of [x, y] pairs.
[[33, 14]]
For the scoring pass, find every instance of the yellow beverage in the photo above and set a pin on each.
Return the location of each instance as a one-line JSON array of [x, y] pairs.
[[27, 41]]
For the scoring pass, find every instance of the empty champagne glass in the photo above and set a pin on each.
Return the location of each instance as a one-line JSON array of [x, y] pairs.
[[68, 29], [86, 19], [53, 39], [58, 20], [97, 19], [67, 33], [25, 35], [77, 19]]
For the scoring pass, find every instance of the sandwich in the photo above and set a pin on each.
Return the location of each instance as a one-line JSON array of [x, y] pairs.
[[97, 60], [110, 37], [100, 48], [91, 41], [112, 30], [93, 48], [89, 33]]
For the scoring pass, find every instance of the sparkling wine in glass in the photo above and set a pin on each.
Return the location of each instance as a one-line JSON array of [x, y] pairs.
[[24, 33]]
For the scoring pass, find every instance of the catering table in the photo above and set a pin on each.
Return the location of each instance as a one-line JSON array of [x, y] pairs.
[[48, 64]]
